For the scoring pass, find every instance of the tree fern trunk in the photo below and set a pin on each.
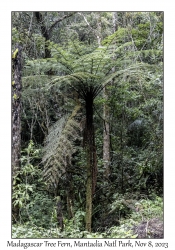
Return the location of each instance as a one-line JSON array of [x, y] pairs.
[[89, 139], [89, 193], [16, 118]]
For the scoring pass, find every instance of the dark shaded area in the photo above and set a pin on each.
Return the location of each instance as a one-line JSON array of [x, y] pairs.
[[136, 133]]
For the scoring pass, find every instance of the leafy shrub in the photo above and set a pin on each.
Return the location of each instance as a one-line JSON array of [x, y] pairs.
[[29, 191]]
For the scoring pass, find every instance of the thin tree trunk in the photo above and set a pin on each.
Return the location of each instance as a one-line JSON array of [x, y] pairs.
[[59, 213], [16, 118], [114, 21], [106, 135], [106, 116], [45, 33], [70, 195]]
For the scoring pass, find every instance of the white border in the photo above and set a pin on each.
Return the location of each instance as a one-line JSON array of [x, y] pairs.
[[5, 96]]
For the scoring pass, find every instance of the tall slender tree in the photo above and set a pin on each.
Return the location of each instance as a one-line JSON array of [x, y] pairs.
[[106, 116]]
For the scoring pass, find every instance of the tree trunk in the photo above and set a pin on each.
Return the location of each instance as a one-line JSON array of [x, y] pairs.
[[89, 139], [59, 213], [70, 195], [106, 116], [106, 135], [45, 33], [114, 21], [16, 118]]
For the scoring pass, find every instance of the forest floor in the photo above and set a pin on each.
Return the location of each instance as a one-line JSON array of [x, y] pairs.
[[145, 223]]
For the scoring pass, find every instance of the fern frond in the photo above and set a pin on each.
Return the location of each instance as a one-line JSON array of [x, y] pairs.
[[59, 147]]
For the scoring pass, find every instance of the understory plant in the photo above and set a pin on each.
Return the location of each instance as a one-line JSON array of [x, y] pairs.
[[30, 191]]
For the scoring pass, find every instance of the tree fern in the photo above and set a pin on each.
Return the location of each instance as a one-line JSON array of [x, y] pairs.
[[59, 147]]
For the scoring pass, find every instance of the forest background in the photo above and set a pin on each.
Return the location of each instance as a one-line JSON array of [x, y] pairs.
[[68, 69]]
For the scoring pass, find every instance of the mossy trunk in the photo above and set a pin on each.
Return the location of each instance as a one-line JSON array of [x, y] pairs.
[[16, 119], [91, 167]]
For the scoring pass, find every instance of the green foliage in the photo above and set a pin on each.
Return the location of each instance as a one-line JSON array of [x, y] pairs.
[[29, 190], [148, 209], [22, 186]]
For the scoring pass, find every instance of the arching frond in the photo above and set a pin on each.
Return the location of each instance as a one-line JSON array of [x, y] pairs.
[[59, 147]]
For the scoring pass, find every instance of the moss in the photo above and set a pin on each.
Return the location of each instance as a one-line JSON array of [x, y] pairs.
[[15, 97], [15, 54]]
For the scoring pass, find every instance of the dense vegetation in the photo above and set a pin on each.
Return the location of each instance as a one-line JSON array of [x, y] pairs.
[[87, 124]]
